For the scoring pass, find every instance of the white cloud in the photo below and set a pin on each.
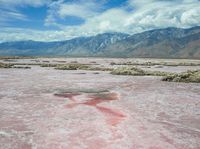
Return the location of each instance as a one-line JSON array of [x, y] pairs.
[[11, 15], [110, 20], [140, 3], [84, 10], [15, 34], [141, 15], [191, 16], [7, 16], [9, 11], [80, 8], [165, 13], [145, 15]]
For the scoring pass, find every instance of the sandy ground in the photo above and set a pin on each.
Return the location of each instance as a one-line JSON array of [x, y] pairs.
[[43, 108]]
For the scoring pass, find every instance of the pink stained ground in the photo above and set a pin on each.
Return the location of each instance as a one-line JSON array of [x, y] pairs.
[[43, 108]]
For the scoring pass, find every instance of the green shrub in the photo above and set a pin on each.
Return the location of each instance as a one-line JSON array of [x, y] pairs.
[[5, 65], [135, 63], [149, 63], [15, 57], [72, 67], [134, 71], [99, 69], [189, 76], [22, 67], [128, 71], [8, 65], [49, 65]]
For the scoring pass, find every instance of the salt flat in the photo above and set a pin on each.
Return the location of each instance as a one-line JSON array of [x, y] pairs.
[[44, 108]]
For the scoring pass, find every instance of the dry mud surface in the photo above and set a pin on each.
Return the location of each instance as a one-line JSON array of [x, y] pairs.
[[43, 108]]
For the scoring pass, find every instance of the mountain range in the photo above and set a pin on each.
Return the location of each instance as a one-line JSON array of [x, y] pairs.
[[159, 43]]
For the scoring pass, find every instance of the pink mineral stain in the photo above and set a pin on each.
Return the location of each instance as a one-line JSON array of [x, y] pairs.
[[166, 139], [71, 105], [113, 117], [99, 98]]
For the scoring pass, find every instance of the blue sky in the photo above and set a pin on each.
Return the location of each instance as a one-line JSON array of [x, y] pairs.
[[53, 20]]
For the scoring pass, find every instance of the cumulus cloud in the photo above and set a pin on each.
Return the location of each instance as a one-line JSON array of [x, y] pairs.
[[165, 13], [111, 20], [144, 15], [149, 14], [133, 17], [83, 10], [80, 8]]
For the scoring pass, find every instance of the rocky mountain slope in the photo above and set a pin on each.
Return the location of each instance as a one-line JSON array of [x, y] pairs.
[[159, 43]]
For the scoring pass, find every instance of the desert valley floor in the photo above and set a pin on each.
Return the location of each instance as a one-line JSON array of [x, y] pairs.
[[44, 108]]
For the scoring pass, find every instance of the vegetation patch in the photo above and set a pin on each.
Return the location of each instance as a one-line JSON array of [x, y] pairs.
[[22, 67], [134, 71], [59, 61], [5, 65], [136, 63], [181, 64], [72, 67], [173, 64], [30, 64], [128, 71], [99, 69], [189, 76], [49, 65], [9, 65], [45, 61], [80, 67], [15, 57]]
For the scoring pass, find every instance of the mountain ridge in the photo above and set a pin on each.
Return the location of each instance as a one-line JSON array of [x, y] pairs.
[[159, 43]]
